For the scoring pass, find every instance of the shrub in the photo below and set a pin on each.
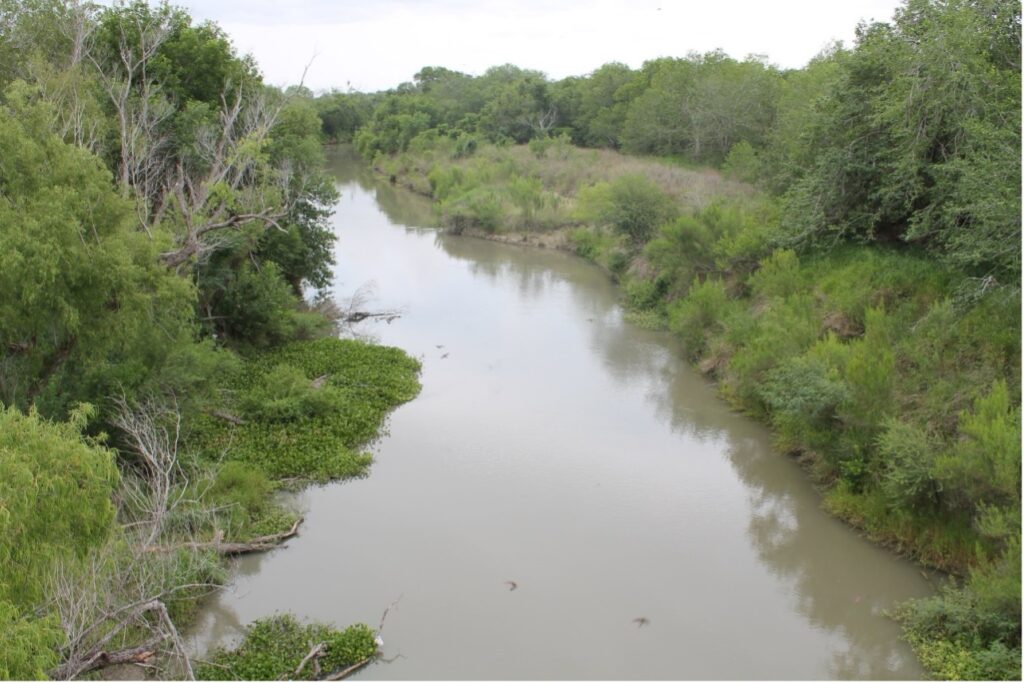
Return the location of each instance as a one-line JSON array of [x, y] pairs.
[[696, 318], [631, 204], [779, 276], [257, 307], [242, 495], [285, 393], [480, 207], [984, 467], [742, 163], [907, 460], [802, 396], [273, 648]]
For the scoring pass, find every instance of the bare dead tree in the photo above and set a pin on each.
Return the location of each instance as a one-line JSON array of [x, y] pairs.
[[207, 201], [133, 93], [153, 430], [542, 120], [112, 609]]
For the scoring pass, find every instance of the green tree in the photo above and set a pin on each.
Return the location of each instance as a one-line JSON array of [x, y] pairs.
[[82, 287], [55, 505], [919, 138]]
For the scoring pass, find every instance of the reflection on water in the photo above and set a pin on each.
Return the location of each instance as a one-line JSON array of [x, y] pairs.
[[559, 447]]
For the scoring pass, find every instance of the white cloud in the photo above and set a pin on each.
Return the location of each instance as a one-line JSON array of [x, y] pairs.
[[377, 45]]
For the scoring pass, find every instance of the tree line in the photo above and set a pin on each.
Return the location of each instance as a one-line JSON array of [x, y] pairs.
[[163, 212], [912, 135]]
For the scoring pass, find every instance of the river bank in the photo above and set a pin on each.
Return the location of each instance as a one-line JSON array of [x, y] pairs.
[[556, 446], [875, 366]]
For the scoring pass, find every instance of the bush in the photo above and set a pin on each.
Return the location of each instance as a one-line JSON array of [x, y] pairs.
[[802, 396], [779, 276], [273, 648], [696, 318], [907, 455], [284, 393], [643, 294], [242, 496], [257, 308], [480, 207], [973, 632], [984, 467], [742, 163], [631, 204]]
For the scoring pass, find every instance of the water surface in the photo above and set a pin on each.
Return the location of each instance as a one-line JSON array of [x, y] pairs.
[[557, 446]]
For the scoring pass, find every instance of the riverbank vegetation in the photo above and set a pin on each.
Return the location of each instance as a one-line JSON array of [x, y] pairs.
[[162, 213], [838, 246]]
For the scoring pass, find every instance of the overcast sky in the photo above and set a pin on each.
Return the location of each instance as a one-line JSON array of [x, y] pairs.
[[376, 44]]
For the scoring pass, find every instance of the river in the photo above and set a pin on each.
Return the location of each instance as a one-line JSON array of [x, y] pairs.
[[651, 532]]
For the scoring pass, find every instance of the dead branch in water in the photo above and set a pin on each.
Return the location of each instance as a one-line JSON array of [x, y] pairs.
[[359, 316], [253, 545], [317, 651], [348, 671]]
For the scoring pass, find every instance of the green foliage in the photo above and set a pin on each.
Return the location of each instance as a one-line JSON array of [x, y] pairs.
[[55, 505], [479, 207], [242, 496], [697, 317], [803, 396], [779, 276], [83, 287], [273, 648], [55, 492], [701, 106], [908, 455], [30, 644], [984, 468], [971, 633], [296, 430], [631, 204], [643, 294], [303, 247], [256, 308], [919, 137], [285, 393], [742, 162], [193, 63]]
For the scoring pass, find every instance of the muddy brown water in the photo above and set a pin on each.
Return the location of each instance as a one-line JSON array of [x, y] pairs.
[[559, 447]]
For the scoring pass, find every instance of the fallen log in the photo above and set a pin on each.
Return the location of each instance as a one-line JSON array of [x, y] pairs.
[[318, 650], [253, 545], [348, 671], [359, 316]]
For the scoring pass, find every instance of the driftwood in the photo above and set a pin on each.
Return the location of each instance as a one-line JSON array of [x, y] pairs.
[[318, 651], [132, 655], [347, 671], [99, 657], [253, 545], [359, 316]]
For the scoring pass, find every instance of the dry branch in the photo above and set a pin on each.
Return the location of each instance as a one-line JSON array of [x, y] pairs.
[[317, 651], [347, 671], [253, 545]]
